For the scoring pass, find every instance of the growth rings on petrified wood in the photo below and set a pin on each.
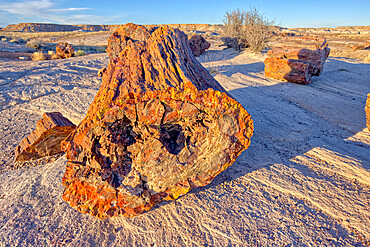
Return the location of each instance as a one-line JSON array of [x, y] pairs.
[[159, 126]]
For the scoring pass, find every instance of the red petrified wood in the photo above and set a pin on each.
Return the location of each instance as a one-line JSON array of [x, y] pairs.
[[295, 64], [45, 140], [64, 50], [159, 126], [198, 44]]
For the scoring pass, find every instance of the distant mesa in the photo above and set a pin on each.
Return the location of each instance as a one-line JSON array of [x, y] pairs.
[[296, 64], [64, 50], [44, 27], [46, 138], [159, 125], [198, 44]]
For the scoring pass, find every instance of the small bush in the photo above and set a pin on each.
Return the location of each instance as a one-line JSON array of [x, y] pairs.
[[257, 30], [234, 28], [246, 29], [36, 44], [37, 56], [80, 53]]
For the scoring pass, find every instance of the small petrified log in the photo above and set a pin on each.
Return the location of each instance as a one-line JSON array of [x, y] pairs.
[[64, 50], [159, 126], [198, 44], [45, 140], [367, 111], [296, 64]]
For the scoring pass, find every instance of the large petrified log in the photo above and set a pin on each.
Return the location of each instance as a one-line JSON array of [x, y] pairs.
[[295, 64], [159, 126], [64, 50], [367, 111], [45, 140], [198, 44]]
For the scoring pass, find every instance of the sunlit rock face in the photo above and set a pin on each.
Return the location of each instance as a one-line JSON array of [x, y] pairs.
[[159, 126], [296, 64], [45, 140]]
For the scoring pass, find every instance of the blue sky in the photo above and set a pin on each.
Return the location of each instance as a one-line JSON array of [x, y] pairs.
[[286, 13]]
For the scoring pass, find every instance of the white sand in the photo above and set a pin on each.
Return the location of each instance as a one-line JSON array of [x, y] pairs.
[[304, 181]]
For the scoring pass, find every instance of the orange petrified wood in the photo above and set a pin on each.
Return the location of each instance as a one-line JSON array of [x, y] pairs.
[[159, 126], [45, 140], [64, 50], [295, 64]]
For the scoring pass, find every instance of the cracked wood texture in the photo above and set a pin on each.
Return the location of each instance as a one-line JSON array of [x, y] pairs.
[[296, 64], [159, 126], [45, 140]]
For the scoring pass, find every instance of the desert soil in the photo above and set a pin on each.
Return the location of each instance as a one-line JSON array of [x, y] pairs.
[[304, 181]]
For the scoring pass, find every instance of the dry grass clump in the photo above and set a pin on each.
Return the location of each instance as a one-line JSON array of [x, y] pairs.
[[38, 56], [242, 29], [80, 53], [54, 56]]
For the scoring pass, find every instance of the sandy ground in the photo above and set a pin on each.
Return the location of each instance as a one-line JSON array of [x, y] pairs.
[[304, 181]]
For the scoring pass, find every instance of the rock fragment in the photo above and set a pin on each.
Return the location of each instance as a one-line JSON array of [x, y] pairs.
[[45, 140], [198, 44], [64, 50], [159, 125], [295, 64], [101, 71]]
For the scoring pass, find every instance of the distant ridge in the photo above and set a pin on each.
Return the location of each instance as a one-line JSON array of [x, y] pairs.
[[48, 27]]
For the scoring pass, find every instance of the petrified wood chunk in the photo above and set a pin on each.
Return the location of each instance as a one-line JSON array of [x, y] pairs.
[[159, 126], [367, 110], [101, 71], [198, 44], [45, 140], [296, 64], [64, 50]]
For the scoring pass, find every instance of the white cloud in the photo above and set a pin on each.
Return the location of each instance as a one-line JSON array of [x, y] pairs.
[[48, 11], [28, 8]]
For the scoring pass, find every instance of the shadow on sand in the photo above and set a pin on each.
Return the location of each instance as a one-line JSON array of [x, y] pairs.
[[290, 120]]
